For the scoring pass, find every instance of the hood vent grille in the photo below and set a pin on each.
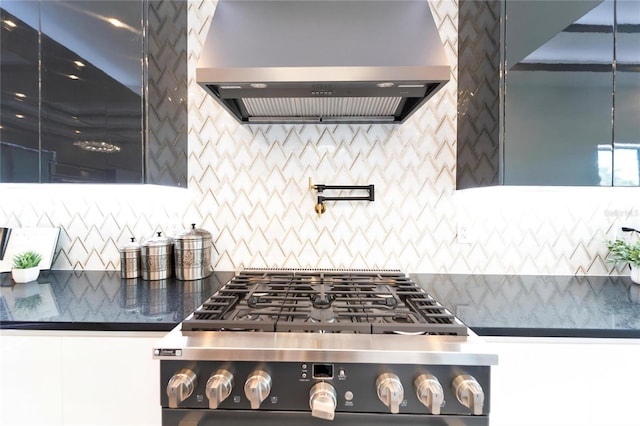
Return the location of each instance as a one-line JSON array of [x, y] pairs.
[[321, 109]]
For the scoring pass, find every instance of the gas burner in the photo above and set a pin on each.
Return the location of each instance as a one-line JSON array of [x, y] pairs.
[[401, 318], [322, 301], [384, 295], [322, 315], [248, 315], [255, 299], [385, 301]]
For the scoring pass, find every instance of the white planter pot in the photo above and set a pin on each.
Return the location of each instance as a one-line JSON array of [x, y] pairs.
[[635, 274], [25, 275]]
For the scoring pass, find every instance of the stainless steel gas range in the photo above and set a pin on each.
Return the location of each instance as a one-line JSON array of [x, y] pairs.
[[301, 347]]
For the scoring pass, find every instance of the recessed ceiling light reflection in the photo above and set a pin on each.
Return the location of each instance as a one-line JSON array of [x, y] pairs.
[[115, 22], [20, 95], [77, 132], [19, 116], [78, 64], [73, 77], [9, 23], [97, 146], [119, 24]]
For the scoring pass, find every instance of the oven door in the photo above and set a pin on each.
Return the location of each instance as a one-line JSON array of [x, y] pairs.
[[204, 417]]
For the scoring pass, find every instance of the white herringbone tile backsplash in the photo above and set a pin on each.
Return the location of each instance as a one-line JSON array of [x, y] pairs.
[[248, 186]]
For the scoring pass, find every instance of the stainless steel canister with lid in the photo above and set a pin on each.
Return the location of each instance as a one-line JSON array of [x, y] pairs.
[[130, 260], [157, 258], [193, 254]]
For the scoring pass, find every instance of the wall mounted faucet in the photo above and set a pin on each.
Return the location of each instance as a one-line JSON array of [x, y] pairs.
[[320, 206]]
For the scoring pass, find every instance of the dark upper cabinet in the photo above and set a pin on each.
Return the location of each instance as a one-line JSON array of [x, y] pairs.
[[80, 101], [626, 139], [549, 93], [478, 141], [19, 100]]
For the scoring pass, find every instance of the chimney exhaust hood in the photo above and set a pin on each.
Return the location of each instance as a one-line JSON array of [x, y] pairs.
[[322, 61]]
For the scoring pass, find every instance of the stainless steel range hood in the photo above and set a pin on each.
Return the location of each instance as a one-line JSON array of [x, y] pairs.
[[322, 61]]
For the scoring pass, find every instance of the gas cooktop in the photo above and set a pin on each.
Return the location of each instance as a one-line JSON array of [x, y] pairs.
[[306, 346], [332, 301]]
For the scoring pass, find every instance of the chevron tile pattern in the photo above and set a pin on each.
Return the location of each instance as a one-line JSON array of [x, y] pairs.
[[478, 90], [167, 93], [248, 186]]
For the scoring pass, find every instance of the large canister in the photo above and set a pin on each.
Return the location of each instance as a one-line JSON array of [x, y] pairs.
[[157, 258], [193, 254], [130, 262]]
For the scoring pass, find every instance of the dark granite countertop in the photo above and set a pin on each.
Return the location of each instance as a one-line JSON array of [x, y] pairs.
[[492, 305], [102, 301], [540, 305]]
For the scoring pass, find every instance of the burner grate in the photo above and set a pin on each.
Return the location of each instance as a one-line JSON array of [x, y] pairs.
[[326, 301], [216, 307]]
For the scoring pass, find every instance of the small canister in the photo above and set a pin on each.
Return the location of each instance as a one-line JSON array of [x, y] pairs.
[[193, 254], [130, 260], [157, 257]]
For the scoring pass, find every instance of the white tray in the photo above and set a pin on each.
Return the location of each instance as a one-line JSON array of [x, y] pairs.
[[40, 240]]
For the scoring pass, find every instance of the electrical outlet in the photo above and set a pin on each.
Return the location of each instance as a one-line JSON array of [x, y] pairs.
[[464, 234]]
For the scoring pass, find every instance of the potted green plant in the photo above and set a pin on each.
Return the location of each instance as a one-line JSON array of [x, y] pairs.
[[25, 267], [626, 252]]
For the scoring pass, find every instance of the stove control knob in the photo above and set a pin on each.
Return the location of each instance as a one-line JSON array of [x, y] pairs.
[[390, 391], [322, 400], [257, 388], [218, 387], [181, 386], [469, 393], [429, 391]]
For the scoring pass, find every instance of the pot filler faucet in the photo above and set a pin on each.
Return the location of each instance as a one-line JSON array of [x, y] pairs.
[[320, 207]]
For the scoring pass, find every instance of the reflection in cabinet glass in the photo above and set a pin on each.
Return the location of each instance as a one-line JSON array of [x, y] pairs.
[[19, 100], [626, 139], [568, 110], [75, 92]]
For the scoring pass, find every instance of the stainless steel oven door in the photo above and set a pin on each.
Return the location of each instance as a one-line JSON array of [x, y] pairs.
[[204, 417]]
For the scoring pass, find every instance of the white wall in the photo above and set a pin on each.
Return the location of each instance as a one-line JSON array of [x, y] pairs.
[[248, 187]]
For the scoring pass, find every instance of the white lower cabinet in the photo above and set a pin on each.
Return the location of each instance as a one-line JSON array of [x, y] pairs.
[[565, 382], [109, 378], [30, 380], [79, 378]]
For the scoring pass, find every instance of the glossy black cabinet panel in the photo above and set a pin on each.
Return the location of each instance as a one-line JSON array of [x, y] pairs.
[[89, 98]]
